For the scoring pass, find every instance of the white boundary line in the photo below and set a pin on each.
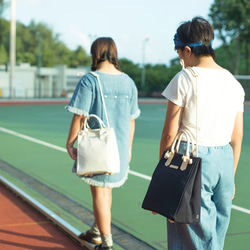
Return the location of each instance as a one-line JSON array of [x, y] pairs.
[[33, 139], [243, 210], [143, 176]]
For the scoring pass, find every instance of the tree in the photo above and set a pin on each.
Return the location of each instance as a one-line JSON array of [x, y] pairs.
[[3, 53], [54, 51], [132, 70], [3, 7], [231, 18], [157, 76], [79, 57], [3, 33], [4, 44]]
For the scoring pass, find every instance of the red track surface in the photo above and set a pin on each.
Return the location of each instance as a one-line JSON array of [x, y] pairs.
[[10, 102], [22, 227]]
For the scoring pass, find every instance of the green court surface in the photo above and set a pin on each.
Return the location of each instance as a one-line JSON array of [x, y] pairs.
[[52, 166]]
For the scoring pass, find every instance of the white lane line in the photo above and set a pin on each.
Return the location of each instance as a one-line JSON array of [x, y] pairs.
[[33, 139], [243, 210], [143, 176]]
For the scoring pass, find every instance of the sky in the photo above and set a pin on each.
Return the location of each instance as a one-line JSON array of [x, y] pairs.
[[130, 23]]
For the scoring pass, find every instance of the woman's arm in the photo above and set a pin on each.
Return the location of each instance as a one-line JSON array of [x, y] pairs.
[[171, 126], [170, 129], [131, 137], [236, 138], [76, 126]]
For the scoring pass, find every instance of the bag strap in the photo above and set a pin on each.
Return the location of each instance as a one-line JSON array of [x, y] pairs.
[[104, 106], [195, 75]]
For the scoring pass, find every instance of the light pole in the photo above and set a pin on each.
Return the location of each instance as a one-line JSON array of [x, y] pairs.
[[40, 51], [12, 48], [143, 72]]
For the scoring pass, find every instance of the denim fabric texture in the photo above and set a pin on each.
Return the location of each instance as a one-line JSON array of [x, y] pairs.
[[121, 100], [216, 202]]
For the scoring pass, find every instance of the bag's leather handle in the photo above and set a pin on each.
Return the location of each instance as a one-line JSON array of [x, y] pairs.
[[178, 137], [85, 126], [186, 159]]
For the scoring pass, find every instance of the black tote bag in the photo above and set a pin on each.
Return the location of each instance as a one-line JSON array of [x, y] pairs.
[[175, 187]]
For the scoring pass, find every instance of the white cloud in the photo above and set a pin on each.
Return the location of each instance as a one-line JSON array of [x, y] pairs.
[[74, 36]]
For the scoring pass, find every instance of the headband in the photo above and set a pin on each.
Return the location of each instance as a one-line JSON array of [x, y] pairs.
[[179, 43]]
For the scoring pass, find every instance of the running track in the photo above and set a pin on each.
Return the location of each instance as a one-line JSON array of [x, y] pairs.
[[23, 227]]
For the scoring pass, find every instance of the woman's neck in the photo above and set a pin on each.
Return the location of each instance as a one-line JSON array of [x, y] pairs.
[[108, 68], [206, 62]]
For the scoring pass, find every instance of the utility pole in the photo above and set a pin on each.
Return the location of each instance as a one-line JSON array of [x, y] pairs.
[[12, 48], [143, 72], [40, 51]]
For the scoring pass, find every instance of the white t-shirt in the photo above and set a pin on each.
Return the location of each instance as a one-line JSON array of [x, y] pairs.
[[220, 97]]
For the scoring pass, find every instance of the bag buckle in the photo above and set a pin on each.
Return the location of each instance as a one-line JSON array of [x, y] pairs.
[[169, 156], [186, 161]]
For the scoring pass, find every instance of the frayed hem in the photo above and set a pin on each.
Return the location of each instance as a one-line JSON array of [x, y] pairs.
[[105, 184], [136, 115], [76, 110]]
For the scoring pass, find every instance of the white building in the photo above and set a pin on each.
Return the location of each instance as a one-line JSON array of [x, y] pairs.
[[55, 82]]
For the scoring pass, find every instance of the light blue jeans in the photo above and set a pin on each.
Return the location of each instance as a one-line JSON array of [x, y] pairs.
[[216, 202]]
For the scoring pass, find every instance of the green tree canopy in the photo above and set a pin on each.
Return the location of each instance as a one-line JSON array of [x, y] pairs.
[[231, 18], [54, 51]]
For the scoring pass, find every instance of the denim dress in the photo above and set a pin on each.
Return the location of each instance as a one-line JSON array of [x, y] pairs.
[[121, 100]]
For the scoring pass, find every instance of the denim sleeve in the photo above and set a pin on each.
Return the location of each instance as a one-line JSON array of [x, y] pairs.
[[82, 98], [135, 111]]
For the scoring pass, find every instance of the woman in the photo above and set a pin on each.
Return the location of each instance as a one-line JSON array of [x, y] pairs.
[[120, 96], [220, 131]]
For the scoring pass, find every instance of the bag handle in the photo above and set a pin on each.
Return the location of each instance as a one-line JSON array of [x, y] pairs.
[[175, 146], [104, 106], [86, 126], [186, 159]]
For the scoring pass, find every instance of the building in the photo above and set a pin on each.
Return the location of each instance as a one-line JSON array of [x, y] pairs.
[[55, 82]]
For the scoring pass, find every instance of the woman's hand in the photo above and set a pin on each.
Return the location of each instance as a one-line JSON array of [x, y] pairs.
[[75, 127], [130, 153], [154, 213], [72, 152], [233, 193], [131, 137], [171, 221]]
